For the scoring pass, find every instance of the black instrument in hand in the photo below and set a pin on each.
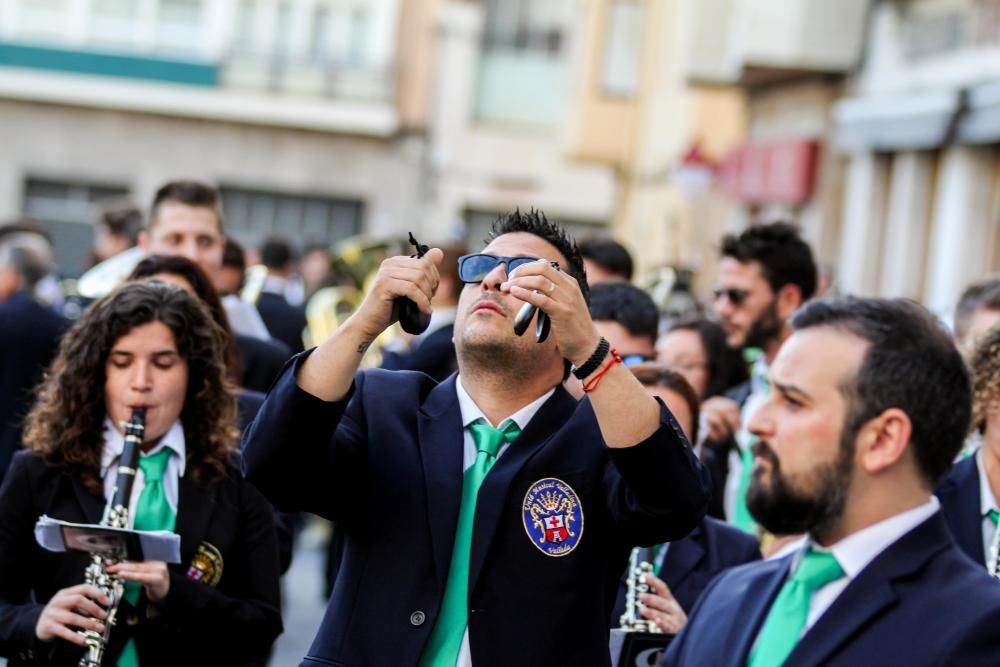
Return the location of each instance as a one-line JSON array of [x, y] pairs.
[[523, 319], [412, 319]]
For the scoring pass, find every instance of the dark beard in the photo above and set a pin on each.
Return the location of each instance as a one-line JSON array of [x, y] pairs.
[[766, 328], [782, 510]]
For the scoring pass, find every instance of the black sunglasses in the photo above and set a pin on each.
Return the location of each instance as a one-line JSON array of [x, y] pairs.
[[473, 268], [735, 296]]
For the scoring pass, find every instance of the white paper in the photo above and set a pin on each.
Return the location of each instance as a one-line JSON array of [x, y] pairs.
[[161, 545]]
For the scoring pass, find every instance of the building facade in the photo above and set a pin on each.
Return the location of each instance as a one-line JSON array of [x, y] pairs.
[[920, 127]]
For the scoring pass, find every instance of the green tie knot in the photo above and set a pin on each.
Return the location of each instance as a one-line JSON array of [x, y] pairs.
[[993, 516], [489, 439], [154, 465], [817, 569]]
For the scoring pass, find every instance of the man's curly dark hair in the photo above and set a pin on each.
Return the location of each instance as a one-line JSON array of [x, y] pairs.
[[535, 222], [785, 258], [66, 425]]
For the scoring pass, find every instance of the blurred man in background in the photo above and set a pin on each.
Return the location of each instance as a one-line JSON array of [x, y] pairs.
[[766, 273], [186, 220], [283, 320], [29, 333]]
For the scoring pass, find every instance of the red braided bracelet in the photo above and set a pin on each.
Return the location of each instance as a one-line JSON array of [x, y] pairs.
[[596, 380]]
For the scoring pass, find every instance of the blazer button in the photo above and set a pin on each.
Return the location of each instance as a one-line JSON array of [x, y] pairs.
[[417, 618]]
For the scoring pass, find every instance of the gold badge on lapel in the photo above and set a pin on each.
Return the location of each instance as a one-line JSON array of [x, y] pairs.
[[206, 565]]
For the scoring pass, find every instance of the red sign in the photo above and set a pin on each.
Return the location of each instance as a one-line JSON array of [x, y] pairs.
[[771, 173]]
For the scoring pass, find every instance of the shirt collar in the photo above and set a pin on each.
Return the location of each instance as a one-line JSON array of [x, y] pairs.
[[986, 500], [114, 442], [471, 412], [856, 551]]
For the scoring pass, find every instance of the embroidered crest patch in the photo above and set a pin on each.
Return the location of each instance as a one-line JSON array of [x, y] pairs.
[[206, 565], [553, 517]]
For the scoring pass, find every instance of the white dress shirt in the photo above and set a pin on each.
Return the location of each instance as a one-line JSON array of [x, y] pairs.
[[986, 503], [114, 441], [470, 415]]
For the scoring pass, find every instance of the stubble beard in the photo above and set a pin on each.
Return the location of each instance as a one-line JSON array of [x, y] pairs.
[[766, 328]]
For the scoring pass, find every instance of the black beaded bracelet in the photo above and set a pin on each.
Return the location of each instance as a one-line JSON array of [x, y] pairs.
[[595, 360]]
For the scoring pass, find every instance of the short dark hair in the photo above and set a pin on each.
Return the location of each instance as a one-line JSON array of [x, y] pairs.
[[122, 218], [911, 364], [276, 253], [785, 258], [726, 366], [191, 193], [627, 305], [981, 295], [652, 374], [535, 222], [610, 254]]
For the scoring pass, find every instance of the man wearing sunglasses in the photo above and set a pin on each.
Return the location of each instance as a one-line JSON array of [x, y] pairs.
[[486, 518], [766, 273]]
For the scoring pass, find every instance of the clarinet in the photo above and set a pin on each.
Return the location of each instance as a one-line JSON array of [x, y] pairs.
[[115, 516], [632, 619]]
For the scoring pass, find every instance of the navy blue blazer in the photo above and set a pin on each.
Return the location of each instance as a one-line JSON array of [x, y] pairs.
[[920, 602], [386, 464], [693, 561], [960, 505], [29, 337]]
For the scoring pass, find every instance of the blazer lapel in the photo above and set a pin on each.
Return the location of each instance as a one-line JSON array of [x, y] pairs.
[[960, 503], [195, 505], [493, 493], [682, 557], [754, 604], [441, 442], [870, 592]]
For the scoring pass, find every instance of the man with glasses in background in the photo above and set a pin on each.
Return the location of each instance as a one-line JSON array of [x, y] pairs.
[[486, 518], [766, 273]]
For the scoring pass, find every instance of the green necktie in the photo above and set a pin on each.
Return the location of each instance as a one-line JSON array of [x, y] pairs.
[[152, 512], [791, 608], [742, 518], [993, 516], [445, 641]]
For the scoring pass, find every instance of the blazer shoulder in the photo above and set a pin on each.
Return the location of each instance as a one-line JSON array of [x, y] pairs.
[[729, 540]]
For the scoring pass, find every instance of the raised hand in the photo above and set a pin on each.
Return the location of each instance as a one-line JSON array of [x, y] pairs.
[[557, 294], [414, 278]]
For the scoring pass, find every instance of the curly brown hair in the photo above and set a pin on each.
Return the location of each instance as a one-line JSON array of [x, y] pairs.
[[66, 424], [985, 369]]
